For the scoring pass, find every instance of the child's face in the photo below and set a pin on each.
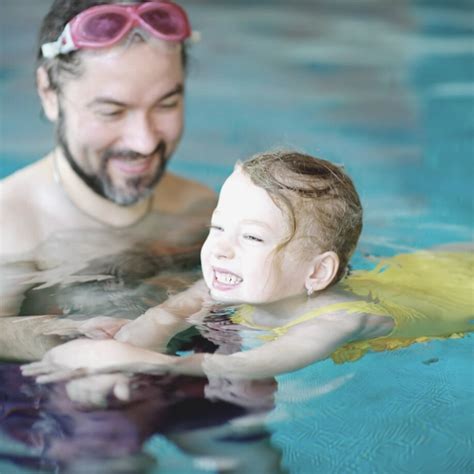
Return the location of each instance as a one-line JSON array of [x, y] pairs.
[[239, 261]]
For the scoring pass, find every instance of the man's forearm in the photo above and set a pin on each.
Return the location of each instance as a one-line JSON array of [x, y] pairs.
[[22, 339], [12, 286]]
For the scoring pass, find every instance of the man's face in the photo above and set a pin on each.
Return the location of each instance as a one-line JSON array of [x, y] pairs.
[[239, 259], [123, 118]]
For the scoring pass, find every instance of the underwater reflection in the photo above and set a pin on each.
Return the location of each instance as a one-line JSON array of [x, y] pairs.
[[212, 419], [62, 435], [78, 274]]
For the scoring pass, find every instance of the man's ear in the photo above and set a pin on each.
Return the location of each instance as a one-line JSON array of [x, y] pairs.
[[323, 271], [48, 96]]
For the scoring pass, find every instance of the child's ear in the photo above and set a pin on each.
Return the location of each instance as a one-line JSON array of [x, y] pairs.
[[48, 96], [324, 270]]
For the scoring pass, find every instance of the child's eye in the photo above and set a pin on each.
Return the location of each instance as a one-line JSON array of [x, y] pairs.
[[216, 227], [252, 238]]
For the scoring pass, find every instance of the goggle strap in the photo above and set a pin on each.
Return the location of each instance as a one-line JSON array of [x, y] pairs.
[[63, 45], [195, 37]]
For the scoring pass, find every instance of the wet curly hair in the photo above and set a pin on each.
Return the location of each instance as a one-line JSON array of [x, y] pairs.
[[317, 197]]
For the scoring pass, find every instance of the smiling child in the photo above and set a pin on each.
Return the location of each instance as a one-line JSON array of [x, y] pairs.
[[279, 244]]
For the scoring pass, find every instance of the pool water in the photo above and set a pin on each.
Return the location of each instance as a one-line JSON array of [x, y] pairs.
[[387, 89]]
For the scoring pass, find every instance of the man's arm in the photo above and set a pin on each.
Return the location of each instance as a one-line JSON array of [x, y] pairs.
[[22, 338], [12, 288], [20, 211]]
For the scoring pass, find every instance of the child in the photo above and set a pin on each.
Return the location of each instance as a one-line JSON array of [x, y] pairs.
[[282, 234]]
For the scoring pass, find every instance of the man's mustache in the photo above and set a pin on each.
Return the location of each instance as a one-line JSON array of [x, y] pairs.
[[133, 155]]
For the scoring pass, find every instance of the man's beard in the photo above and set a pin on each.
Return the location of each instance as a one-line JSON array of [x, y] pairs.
[[100, 183]]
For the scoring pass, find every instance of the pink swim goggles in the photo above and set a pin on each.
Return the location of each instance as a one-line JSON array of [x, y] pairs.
[[105, 25]]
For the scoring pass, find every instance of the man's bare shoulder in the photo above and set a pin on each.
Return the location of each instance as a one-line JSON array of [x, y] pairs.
[[175, 194], [26, 181], [20, 203]]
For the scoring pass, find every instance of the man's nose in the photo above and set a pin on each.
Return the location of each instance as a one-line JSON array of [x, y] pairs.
[[141, 135]]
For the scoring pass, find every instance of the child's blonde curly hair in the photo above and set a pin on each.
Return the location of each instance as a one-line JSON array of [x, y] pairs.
[[318, 198]]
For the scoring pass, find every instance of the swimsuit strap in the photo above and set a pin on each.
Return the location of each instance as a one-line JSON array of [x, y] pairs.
[[349, 307], [243, 315]]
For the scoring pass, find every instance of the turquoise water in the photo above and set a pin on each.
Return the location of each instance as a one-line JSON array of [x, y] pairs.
[[387, 89]]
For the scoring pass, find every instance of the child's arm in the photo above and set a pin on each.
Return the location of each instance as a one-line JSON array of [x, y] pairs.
[[86, 357], [155, 328], [151, 330], [300, 346]]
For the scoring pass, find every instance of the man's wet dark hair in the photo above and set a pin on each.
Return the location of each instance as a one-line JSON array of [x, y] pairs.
[[60, 13]]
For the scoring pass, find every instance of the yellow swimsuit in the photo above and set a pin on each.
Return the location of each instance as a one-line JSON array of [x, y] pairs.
[[428, 294]]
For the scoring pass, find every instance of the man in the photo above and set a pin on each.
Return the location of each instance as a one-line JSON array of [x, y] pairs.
[[97, 227], [111, 78]]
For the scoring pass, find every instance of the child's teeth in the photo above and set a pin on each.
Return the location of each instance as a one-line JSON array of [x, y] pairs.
[[227, 278]]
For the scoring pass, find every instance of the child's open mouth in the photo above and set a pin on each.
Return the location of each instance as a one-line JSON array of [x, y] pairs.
[[224, 280]]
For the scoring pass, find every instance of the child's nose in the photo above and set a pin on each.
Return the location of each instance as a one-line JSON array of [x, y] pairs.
[[224, 249]]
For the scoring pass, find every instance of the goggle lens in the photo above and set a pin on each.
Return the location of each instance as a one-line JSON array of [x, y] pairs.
[[102, 28], [162, 21]]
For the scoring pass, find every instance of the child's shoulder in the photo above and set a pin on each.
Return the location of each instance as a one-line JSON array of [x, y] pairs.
[[334, 306], [339, 306]]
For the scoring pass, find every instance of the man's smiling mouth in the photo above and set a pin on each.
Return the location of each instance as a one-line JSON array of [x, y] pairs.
[[132, 167]]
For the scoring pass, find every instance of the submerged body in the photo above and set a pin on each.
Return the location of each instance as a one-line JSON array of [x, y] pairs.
[[411, 289], [118, 115], [194, 413]]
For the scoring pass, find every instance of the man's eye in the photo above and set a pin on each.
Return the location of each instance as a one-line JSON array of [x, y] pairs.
[[169, 105], [110, 113], [252, 238], [216, 227]]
